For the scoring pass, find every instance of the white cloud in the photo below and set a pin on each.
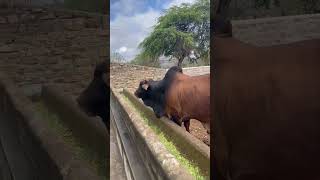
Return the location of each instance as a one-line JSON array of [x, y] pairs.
[[123, 49], [178, 2], [127, 7], [131, 26], [129, 31]]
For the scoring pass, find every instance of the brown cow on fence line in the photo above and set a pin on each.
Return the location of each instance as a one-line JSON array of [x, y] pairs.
[[179, 97], [266, 107]]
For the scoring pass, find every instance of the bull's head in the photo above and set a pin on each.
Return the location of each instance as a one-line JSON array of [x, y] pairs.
[[101, 71], [83, 104], [93, 100], [152, 94]]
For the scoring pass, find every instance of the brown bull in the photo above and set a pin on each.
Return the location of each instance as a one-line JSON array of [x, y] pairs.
[[266, 109], [189, 98], [178, 96]]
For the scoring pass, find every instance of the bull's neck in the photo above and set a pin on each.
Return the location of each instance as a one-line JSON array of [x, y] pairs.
[[180, 76], [224, 47]]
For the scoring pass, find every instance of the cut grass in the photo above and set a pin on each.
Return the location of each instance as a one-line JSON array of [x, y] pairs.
[[170, 146], [79, 150]]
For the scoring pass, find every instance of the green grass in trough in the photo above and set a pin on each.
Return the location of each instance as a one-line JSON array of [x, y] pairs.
[[79, 150], [170, 146]]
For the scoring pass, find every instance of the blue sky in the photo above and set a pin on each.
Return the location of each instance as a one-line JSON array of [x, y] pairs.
[[129, 7], [132, 21]]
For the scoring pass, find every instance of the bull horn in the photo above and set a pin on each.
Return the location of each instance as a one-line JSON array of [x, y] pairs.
[[145, 86]]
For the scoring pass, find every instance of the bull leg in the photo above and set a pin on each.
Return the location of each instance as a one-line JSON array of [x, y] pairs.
[[186, 122], [187, 125], [176, 120]]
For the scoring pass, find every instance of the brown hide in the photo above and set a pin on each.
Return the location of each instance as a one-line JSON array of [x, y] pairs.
[[188, 97], [267, 110]]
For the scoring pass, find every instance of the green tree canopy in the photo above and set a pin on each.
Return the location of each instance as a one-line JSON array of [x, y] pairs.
[[181, 32]]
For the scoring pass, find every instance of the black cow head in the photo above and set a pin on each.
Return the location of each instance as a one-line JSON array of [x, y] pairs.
[[153, 92], [93, 100], [101, 71]]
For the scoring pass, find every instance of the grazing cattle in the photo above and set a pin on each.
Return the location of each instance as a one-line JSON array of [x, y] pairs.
[[94, 99], [179, 97], [266, 107]]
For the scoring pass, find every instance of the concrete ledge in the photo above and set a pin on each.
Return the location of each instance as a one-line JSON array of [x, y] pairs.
[[135, 65], [160, 163], [274, 19], [277, 30], [133, 162], [195, 67], [90, 131], [52, 159], [194, 149]]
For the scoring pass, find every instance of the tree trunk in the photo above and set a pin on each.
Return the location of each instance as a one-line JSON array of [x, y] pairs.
[[180, 61]]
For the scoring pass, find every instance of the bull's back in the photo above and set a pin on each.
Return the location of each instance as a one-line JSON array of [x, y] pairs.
[[191, 96]]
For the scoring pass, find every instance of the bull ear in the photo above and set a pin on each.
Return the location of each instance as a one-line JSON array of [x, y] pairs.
[[145, 86]]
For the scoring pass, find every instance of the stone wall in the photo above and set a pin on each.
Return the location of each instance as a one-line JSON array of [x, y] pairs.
[[41, 45], [25, 3], [277, 30], [34, 151], [196, 71], [128, 75]]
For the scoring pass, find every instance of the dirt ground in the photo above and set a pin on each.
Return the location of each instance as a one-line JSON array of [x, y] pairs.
[[129, 76]]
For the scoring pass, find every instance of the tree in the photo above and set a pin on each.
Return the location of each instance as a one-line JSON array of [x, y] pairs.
[[117, 57], [181, 31], [140, 59], [202, 28]]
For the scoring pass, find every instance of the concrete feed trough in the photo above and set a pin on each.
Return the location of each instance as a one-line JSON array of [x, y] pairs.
[[33, 150], [150, 144]]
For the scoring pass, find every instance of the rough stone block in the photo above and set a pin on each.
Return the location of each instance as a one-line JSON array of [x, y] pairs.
[[3, 20], [74, 24], [92, 23], [103, 33], [48, 17], [7, 49], [12, 19], [37, 10]]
